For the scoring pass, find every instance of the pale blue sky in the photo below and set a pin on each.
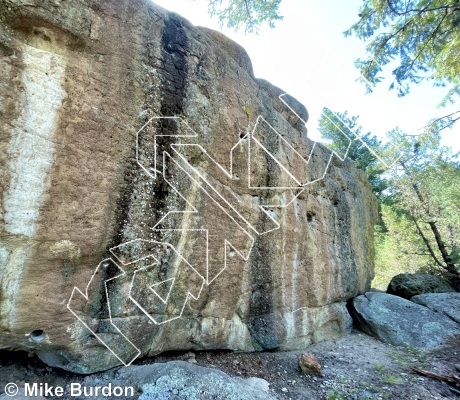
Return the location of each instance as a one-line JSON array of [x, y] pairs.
[[308, 57]]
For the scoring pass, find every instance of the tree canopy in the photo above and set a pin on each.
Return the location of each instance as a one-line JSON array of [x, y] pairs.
[[419, 198], [247, 14], [422, 38], [343, 131]]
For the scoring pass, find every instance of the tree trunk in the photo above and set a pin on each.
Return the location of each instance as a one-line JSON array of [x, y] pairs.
[[442, 247], [448, 265]]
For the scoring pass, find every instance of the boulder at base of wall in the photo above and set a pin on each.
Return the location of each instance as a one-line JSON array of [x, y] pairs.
[[445, 303], [182, 380], [408, 285], [401, 322]]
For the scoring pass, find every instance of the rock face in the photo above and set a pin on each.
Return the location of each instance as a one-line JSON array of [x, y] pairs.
[[408, 285], [401, 322], [445, 303], [144, 205]]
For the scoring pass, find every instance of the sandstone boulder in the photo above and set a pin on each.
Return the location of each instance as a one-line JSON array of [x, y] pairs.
[[400, 322], [156, 196], [445, 303], [408, 285]]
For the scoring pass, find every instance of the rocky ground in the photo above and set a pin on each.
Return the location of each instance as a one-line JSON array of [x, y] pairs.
[[354, 367]]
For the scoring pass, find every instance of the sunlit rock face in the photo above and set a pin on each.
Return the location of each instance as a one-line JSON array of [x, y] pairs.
[[126, 234]]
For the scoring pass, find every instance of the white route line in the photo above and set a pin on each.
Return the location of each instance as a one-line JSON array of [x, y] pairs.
[[135, 301], [188, 294], [155, 170], [355, 134], [86, 297], [210, 192], [251, 238], [172, 280]]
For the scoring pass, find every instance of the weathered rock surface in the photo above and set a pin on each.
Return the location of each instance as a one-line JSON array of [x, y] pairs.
[[118, 242], [174, 380], [309, 364], [408, 285], [445, 303], [181, 380], [400, 322]]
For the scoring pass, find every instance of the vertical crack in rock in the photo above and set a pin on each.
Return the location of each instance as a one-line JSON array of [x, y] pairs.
[[174, 73], [173, 78], [261, 321], [124, 202], [142, 204], [345, 255]]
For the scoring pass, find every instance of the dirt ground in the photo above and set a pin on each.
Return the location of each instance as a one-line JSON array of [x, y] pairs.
[[354, 367]]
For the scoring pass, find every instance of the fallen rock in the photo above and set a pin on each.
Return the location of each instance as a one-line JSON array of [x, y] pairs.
[[190, 357], [446, 303], [182, 380], [401, 322], [408, 285], [309, 364]]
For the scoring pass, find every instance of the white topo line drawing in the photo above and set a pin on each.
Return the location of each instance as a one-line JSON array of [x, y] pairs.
[[152, 297]]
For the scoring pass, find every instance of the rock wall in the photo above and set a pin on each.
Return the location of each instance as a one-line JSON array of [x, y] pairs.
[[124, 233]]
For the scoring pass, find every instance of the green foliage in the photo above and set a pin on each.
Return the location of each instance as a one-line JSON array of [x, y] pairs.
[[421, 213], [335, 394], [391, 379], [419, 199], [398, 247], [416, 352], [248, 111], [250, 14], [423, 36], [343, 131], [379, 367]]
